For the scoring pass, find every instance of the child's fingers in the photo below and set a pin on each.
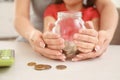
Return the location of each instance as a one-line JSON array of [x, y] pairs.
[[50, 35], [50, 26], [90, 32], [89, 25], [85, 38]]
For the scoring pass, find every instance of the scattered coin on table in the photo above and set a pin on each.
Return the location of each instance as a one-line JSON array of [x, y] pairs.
[[61, 67], [45, 66], [31, 64]]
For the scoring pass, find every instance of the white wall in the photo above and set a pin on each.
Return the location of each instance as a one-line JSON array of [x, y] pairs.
[[6, 20], [116, 2]]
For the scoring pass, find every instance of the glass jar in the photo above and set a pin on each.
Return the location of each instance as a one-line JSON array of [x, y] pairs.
[[67, 24]]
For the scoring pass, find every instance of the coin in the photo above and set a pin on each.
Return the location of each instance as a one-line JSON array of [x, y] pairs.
[[42, 67], [61, 67], [31, 64]]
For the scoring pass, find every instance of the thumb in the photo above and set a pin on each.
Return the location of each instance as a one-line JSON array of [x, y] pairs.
[[50, 26], [42, 44], [89, 25], [41, 41], [101, 40]]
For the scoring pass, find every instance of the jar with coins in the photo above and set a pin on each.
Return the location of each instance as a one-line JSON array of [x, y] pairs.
[[67, 24]]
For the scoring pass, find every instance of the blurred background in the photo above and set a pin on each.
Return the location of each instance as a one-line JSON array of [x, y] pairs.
[[7, 31]]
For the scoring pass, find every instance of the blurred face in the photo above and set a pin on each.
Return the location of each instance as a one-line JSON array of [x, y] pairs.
[[72, 2]]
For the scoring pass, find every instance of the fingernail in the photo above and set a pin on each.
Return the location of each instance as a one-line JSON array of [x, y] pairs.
[[97, 48], [42, 45]]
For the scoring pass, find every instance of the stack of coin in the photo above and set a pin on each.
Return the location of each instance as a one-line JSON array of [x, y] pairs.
[[39, 66], [42, 67]]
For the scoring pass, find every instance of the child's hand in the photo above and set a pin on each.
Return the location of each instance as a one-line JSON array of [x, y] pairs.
[[86, 40], [53, 41]]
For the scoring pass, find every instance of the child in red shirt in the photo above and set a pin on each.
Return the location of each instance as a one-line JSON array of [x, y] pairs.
[[89, 13]]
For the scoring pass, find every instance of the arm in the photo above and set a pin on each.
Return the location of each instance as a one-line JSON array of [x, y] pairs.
[[22, 18], [95, 22], [48, 20], [109, 16], [108, 23], [26, 29]]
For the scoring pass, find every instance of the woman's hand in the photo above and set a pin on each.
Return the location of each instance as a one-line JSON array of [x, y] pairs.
[[100, 48], [38, 45]]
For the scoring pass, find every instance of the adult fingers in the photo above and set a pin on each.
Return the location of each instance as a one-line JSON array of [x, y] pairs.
[[36, 40], [101, 39], [49, 53], [83, 56]]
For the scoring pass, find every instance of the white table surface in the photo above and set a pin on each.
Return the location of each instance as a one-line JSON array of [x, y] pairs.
[[107, 67]]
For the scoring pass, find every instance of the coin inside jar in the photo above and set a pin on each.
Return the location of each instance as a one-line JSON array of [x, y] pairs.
[[61, 67], [42, 67], [31, 64]]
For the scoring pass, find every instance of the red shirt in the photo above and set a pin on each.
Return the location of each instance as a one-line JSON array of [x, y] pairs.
[[87, 13]]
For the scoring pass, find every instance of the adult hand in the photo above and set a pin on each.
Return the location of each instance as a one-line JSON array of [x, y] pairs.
[[38, 45], [103, 42]]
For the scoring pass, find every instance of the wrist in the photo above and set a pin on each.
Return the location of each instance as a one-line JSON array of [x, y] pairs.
[[31, 34], [107, 33]]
